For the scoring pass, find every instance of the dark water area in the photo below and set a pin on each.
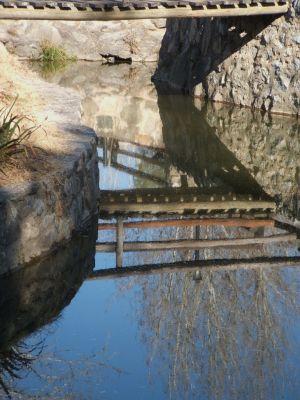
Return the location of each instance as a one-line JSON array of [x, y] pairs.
[[215, 322]]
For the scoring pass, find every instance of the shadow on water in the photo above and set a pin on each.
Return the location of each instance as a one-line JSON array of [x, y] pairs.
[[34, 297]]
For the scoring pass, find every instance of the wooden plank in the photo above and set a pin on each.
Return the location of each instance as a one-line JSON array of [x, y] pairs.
[[232, 222], [194, 244], [192, 266], [116, 14]]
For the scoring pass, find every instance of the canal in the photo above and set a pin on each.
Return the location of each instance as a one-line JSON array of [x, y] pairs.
[[173, 327]]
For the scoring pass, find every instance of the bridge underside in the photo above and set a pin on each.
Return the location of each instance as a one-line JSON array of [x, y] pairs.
[[178, 201], [126, 10]]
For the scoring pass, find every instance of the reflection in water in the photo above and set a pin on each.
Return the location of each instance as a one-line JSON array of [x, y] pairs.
[[34, 297], [194, 147], [224, 335], [193, 151], [118, 100], [179, 335], [267, 145], [13, 362], [128, 108]]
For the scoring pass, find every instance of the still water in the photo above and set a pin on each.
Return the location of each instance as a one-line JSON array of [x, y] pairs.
[[68, 333]]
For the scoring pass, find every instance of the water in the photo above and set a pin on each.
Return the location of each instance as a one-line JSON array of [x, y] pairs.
[[183, 333]]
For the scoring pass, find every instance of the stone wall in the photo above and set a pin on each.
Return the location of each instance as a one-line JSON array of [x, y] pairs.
[[92, 41], [36, 217], [43, 209], [250, 61]]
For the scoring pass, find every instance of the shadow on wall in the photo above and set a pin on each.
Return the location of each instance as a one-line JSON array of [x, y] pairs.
[[34, 297], [193, 48]]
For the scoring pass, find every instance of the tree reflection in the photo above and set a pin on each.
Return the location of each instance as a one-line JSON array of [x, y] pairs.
[[223, 334], [15, 361]]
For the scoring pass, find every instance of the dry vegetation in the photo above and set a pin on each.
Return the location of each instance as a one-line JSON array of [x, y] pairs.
[[35, 151], [14, 138]]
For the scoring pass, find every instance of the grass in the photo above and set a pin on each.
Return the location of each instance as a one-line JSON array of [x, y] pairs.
[[13, 135], [54, 58]]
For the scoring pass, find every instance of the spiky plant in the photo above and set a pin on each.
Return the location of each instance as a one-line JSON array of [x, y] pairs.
[[13, 135]]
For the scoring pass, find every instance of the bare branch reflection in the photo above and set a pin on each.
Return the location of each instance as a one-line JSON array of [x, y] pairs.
[[221, 334]]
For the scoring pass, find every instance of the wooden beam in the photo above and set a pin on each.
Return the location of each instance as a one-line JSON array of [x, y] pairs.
[[232, 222], [116, 13], [201, 265], [180, 207], [194, 244]]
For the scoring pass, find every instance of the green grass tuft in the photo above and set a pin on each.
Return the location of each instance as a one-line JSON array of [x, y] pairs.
[[54, 58]]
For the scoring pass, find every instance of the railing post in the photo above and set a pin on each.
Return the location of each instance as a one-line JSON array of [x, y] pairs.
[[120, 240]]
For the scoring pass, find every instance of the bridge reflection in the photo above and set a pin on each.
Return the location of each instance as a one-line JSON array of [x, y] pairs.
[[196, 187]]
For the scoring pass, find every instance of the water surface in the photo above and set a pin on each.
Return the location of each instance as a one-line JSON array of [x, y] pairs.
[[200, 334]]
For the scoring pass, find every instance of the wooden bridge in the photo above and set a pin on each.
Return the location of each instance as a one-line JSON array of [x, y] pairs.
[[107, 10]]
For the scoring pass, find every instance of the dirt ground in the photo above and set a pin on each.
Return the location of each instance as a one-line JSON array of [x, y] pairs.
[[45, 144]]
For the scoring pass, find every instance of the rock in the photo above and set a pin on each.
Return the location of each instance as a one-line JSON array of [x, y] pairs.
[[199, 90], [285, 82], [217, 97], [296, 38]]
